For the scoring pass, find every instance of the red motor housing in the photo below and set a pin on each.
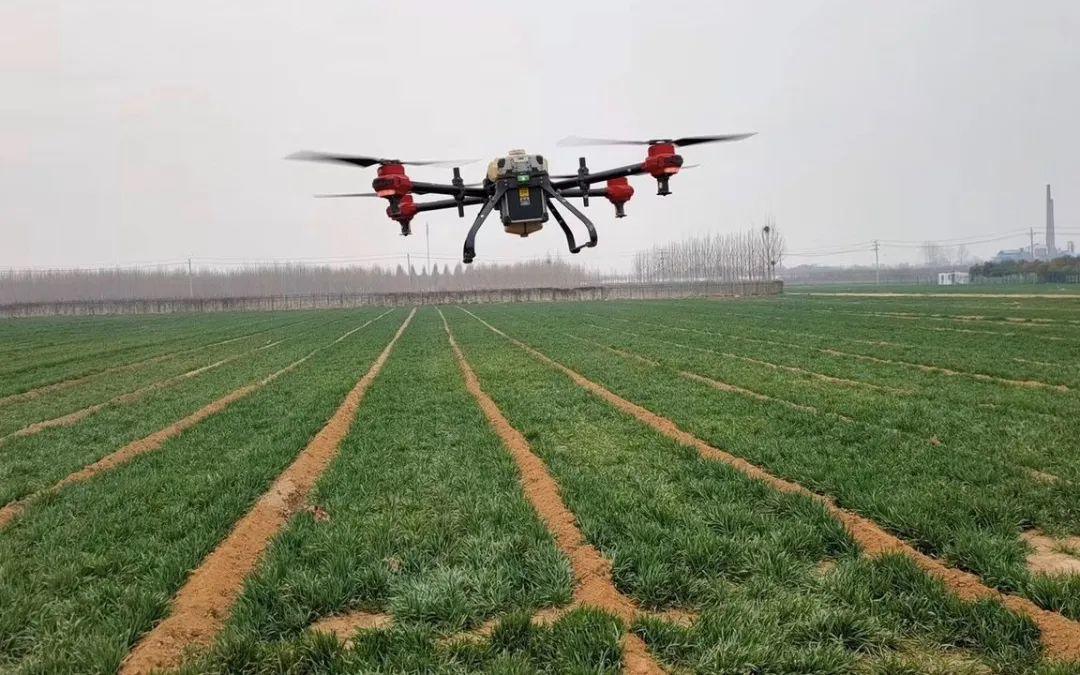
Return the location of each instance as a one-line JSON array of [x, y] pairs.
[[391, 181], [402, 209], [619, 191], [662, 163], [662, 160]]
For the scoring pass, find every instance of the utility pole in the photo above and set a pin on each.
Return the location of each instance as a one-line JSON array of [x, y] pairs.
[[427, 238], [190, 284], [408, 263], [1032, 232], [877, 263]]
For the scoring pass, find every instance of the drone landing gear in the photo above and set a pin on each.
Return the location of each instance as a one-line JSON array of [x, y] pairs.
[[470, 239], [562, 223], [574, 248], [469, 252]]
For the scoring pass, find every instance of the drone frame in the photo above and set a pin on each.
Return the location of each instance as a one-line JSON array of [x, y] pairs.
[[393, 184]]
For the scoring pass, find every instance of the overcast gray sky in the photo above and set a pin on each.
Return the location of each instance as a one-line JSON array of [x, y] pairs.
[[152, 130]]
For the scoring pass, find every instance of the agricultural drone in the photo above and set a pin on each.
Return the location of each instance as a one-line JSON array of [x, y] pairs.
[[519, 186]]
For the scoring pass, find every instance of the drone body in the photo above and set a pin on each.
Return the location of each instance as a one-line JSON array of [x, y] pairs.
[[520, 187]]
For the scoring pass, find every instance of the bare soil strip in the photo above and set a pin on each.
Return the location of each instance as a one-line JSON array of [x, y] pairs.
[[14, 509], [617, 352], [1060, 636], [925, 367], [775, 366], [733, 389], [67, 384], [1052, 556], [1038, 296], [201, 607], [344, 626], [593, 584], [128, 397]]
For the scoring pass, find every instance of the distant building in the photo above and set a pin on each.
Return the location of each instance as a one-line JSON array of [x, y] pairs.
[[1047, 251], [953, 278], [1012, 254]]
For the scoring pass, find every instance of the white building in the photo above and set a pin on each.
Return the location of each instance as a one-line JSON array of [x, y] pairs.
[[953, 278]]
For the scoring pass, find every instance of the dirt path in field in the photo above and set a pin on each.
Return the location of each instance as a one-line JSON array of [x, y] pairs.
[[150, 443], [1038, 296], [1004, 322], [617, 352], [1060, 635], [67, 384], [925, 367], [758, 396], [593, 583], [125, 398], [201, 607], [1049, 555], [831, 379]]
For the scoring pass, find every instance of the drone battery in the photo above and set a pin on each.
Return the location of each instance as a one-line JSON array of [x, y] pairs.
[[523, 210]]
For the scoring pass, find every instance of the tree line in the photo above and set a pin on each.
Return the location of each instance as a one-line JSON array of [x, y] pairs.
[[752, 255], [24, 286], [1065, 269], [747, 256]]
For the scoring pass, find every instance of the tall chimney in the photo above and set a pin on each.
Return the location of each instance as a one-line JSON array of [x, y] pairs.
[[1051, 250]]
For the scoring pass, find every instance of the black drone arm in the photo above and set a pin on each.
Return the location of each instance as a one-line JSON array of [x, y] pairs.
[[444, 189], [599, 176], [577, 192], [449, 203]]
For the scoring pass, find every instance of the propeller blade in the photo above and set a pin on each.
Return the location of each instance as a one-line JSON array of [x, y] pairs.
[[694, 140], [570, 141], [562, 176], [685, 140], [364, 161], [355, 160], [349, 194]]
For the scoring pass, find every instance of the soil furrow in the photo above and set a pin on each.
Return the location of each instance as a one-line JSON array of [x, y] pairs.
[[593, 582], [617, 352], [925, 367], [1060, 636], [749, 393], [150, 443], [831, 379], [67, 384], [201, 607], [1032, 296], [127, 397]]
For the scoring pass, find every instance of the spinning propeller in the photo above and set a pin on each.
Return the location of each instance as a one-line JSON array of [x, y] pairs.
[[364, 161], [677, 142]]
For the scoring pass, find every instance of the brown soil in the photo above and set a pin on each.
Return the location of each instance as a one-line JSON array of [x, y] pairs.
[[593, 584], [617, 352], [1052, 556], [150, 443], [201, 607], [344, 626], [123, 399], [1043, 476], [732, 389], [975, 331], [1031, 384], [1037, 296], [680, 617], [65, 384], [776, 366], [1060, 636]]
